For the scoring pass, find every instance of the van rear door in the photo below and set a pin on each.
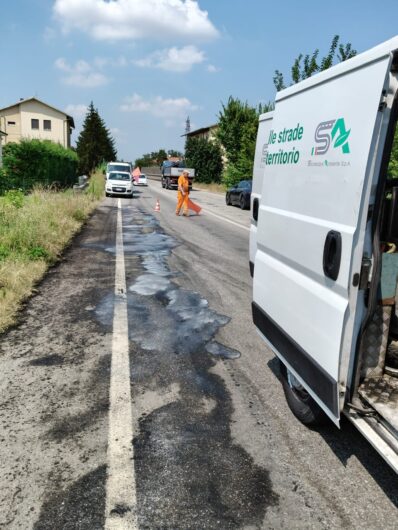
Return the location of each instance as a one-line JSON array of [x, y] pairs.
[[264, 126], [323, 153]]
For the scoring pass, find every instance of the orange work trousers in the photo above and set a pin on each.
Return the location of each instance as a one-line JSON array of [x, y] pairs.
[[182, 202]]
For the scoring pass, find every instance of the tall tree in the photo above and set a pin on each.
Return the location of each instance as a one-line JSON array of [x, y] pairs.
[[233, 118], [95, 143], [305, 66], [238, 123]]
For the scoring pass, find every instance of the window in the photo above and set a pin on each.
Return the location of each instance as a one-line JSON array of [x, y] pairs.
[[35, 123], [11, 123], [47, 125]]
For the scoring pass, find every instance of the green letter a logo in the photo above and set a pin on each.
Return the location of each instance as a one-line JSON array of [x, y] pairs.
[[342, 137]]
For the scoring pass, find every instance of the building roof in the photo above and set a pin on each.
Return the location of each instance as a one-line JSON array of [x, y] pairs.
[[22, 101], [202, 130]]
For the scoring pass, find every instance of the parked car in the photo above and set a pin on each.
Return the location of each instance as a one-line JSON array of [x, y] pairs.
[[119, 183], [141, 180], [239, 195]]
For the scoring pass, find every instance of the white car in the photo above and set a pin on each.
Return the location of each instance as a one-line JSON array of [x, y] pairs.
[[119, 183], [141, 180]]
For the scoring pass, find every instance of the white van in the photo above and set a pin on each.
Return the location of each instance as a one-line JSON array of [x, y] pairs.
[[118, 166], [264, 126], [326, 264]]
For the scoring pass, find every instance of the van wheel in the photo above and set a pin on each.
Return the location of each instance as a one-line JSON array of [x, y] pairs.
[[228, 200], [242, 202], [300, 402]]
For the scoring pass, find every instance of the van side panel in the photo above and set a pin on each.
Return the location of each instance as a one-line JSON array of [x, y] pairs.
[[314, 185]]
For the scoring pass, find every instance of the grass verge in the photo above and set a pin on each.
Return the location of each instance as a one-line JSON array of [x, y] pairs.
[[215, 188], [34, 230]]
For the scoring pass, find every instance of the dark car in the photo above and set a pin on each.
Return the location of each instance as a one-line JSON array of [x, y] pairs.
[[239, 195]]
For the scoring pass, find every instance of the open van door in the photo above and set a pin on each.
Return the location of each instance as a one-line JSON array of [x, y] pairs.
[[322, 166], [264, 126]]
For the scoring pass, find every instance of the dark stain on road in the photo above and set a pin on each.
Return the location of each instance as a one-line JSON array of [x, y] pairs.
[[48, 360], [97, 405], [80, 506], [189, 471]]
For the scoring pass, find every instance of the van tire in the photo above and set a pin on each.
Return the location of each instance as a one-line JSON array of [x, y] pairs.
[[300, 402], [242, 203]]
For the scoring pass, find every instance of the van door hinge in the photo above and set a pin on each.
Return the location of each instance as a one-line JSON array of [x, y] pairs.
[[383, 101], [365, 273]]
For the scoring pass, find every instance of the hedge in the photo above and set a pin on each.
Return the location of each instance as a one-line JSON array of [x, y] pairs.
[[34, 162]]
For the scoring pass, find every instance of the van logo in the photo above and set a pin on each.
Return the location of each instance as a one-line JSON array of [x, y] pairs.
[[324, 138]]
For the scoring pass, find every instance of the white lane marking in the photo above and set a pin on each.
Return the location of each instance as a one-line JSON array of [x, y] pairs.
[[120, 487], [226, 220]]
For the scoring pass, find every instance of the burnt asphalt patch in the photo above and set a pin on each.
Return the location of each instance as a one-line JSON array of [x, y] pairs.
[[189, 472]]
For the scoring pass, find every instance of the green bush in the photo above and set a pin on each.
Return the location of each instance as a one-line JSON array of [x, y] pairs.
[[38, 252], [14, 197], [205, 157], [34, 162]]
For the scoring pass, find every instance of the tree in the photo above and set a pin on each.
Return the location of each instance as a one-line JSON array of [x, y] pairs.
[[144, 161], [155, 158], [95, 143], [173, 152], [233, 118], [393, 165], [238, 123], [205, 156], [305, 66]]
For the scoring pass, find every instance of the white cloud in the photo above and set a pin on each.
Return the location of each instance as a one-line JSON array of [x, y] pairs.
[[212, 69], [170, 110], [81, 74], [102, 62], [136, 19], [173, 59], [76, 111]]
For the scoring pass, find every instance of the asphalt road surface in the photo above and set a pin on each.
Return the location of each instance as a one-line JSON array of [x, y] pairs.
[[136, 393]]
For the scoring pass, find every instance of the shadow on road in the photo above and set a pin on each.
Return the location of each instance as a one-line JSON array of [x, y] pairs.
[[347, 443]]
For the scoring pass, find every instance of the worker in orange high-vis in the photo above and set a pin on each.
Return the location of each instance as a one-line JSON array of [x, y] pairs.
[[183, 193]]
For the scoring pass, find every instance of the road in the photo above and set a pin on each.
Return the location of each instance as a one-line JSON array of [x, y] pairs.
[[135, 392]]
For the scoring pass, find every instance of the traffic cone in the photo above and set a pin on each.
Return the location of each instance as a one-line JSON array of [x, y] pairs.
[[157, 207]]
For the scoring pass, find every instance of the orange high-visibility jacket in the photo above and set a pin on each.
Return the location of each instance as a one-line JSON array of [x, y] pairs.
[[183, 182]]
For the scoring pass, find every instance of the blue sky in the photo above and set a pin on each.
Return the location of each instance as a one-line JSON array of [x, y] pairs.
[[147, 64]]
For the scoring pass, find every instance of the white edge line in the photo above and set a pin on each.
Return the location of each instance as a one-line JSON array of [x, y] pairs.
[[120, 504], [226, 220]]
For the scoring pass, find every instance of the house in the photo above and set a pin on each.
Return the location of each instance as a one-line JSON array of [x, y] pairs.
[[208, 133], [32, 118], [2, 135]]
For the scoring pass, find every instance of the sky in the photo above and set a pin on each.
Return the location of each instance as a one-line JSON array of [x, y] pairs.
[[148, 64]]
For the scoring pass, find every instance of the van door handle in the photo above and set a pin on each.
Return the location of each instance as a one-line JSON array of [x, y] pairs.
[[255, 209], [332, 255]]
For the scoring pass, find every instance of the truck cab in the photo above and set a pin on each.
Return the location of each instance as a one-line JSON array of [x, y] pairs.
[[325, 267]]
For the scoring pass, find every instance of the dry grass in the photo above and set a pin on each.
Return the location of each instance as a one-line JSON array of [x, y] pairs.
[[215, 188], [17, 281], [33, 233]]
